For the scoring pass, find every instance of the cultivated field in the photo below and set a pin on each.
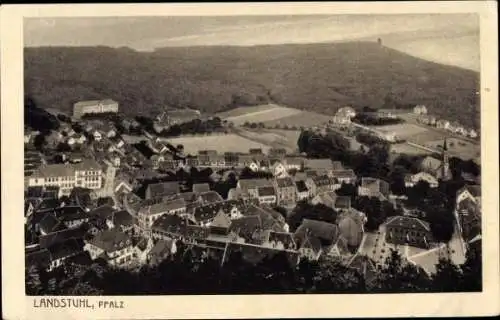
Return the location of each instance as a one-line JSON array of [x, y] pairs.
[[259, 114], [221, 143], [272, 138], [301, 119], [246, 110], [403, 130], [407, 149], [274, 115]]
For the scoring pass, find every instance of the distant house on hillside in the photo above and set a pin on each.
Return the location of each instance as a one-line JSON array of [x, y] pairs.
[[174, 116], [443, 124], [347, 111], [420, 109]]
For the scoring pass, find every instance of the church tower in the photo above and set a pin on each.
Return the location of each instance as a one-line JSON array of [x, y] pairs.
[[446, 162]]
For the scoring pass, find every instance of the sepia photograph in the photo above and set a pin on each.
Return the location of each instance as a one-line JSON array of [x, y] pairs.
[[252, 154]]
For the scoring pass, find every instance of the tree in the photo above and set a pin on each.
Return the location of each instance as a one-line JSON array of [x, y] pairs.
[[40, 142], [33, 281], [447, 277], [347, 189], [472, 269], [397, 181], [63, 147], [397, 275], [332, 277]]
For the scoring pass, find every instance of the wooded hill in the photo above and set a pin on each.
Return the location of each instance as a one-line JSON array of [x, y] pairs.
[[316, 77]]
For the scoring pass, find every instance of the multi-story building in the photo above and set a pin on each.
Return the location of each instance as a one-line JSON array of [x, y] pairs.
[[408, 230], [371, 187], [94, 106], [250, 186], [267, 195], [148, 214], [320, 184], [86, 174], [113, 246], [286, 191]]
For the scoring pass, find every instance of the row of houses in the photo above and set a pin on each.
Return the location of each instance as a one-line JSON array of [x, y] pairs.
[[451, 126]]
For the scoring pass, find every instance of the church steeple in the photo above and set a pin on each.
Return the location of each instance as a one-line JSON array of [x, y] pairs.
[[446, 163]]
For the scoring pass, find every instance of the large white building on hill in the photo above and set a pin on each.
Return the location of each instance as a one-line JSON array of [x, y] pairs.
[[94, 106]]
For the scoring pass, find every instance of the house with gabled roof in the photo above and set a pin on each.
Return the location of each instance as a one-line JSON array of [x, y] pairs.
[[331, 200], [351, 227], [251, 185], [294, 162], [302, 190], [286, 191], [113, 246], [160, 251], [468, 211], [122, 220], [471, 192], [320, 184], [344, 176], [248, 228], [148, 214], [46, 241], [317, 237], [54, 256], [209, 197], [50, 223], [366, 267], [169, 227], [408, 230], [270, 219], [267, 195], [372, 187], [321, 166], [310, 248], [141, 247], [279, 240], [72, 216], [162, 189], [221, 224], [326, 232]]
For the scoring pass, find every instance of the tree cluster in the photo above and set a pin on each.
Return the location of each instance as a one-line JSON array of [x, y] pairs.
[[305, 210], [190, 271], [368, 119]]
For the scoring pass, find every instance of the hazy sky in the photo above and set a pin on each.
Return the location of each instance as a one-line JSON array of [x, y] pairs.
[[446, 38]]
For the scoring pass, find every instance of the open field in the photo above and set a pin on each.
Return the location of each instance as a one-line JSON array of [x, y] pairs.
[[272, 138], [291, 136], [458, 147], [221, 143], [240, 111], [260, 114], [301, 119], [408, 149], [403, 130]]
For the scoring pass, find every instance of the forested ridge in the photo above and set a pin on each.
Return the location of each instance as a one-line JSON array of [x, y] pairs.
[[316, 77]]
